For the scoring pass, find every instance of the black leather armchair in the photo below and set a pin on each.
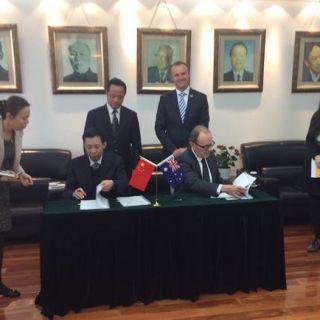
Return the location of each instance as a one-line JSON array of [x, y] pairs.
[[45, 166], [280, 165]]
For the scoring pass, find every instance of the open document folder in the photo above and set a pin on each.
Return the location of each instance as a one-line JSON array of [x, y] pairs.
[[100, 202], [315, 171], [244, 180]]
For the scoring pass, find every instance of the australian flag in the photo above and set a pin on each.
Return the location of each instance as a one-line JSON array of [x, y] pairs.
[[172, 171]]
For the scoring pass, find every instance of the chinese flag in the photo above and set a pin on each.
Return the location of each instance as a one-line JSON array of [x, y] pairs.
[[142, 174]]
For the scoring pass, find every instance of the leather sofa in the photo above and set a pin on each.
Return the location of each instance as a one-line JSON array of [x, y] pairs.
[[279, 165], [46, 166]]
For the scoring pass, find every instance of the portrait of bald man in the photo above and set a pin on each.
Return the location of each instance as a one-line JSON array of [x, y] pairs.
[[161, 72], [80, 59], [4, 75], [311, 63]]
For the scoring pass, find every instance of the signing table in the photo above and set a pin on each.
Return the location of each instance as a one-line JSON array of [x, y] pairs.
[[188, 246]]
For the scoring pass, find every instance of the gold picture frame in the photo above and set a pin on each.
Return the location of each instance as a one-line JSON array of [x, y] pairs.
[[157, 49], [10, 73], [238, 60], [79, 59], [306, 69]]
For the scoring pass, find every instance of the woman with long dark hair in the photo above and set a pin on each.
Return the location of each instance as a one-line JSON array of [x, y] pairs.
[[14, 114], [313, 184]]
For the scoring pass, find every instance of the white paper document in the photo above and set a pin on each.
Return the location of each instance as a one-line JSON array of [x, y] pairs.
[[100, 202], [314, 171], [133, 201], [244, 180], [7, 173]]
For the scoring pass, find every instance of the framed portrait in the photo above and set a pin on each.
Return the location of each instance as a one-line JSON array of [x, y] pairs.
[[238, 60], [157, 50], [306, 62], [10, 74], [79, 59]]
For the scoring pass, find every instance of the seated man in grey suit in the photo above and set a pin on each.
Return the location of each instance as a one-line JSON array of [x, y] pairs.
[[95, 167], [238, 56], [80, 59], [4, 75], [161, 72], [200, 169]]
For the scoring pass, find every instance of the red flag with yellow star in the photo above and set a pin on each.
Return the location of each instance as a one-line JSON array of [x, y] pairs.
[[142, 174]]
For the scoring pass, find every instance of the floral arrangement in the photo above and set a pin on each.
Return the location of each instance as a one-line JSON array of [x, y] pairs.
[[226, 156]]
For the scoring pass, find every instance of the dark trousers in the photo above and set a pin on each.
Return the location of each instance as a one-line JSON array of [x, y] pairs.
[[315, 214]]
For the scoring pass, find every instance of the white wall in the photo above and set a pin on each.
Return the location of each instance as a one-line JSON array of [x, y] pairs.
[[57, 120]]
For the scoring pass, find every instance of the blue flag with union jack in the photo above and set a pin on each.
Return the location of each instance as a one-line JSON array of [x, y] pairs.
[[172, 171]]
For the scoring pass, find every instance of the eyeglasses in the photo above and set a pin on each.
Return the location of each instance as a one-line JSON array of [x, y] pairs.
[[207, 146]]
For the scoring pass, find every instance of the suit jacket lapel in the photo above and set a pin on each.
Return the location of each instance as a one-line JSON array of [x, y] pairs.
[[175, 106]]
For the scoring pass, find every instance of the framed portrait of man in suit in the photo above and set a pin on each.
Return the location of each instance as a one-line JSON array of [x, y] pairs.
[[10, 74], [157, 50], [79, 59], [306, 62], [238, 60]]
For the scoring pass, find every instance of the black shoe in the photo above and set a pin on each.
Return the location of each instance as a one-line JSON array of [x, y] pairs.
[[314, 246], [9, 293]]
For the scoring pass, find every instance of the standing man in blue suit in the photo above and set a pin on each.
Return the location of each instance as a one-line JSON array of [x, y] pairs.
[[119, 125], [179, 111]]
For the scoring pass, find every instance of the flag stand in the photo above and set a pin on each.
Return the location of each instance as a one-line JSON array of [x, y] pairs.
[[156, 203]]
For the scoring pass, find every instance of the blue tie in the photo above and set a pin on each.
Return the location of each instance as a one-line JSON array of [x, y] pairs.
[[182, 106]]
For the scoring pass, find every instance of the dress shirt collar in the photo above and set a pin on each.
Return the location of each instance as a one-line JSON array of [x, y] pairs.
[[110, 111], [314, 76], [92, 162], [186, 92], [198, 158], [235, 75]]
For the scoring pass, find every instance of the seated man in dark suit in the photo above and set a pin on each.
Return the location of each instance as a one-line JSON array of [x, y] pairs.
[[161, 72], [238, 55], [96, 167], [200, 168], [80, 59], [4, 75]]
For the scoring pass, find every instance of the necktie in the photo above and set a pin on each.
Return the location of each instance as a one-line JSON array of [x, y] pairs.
[[162, 77], [238, 77], [205, 170], [182, 106], [95, 165], [115, 123]]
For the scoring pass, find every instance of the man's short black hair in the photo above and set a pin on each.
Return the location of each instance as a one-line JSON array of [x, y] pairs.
[[116, 82], [91, 133], [239, 43]]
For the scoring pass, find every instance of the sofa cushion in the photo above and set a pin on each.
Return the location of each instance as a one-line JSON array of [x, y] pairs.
[[50, 163], [287, 175]]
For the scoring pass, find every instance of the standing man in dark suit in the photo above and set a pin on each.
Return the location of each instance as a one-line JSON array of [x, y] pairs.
[[4, 75], [200, 168], [119, 125], [179, 111], [238, 56], [94, 168]]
